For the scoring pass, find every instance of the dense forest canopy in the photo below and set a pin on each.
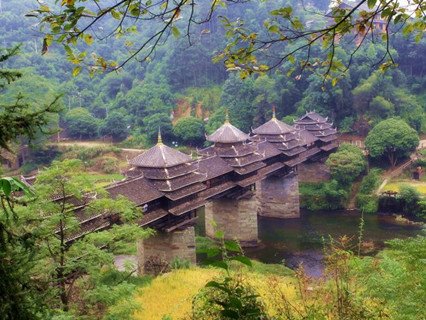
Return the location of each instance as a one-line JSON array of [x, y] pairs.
[[180, 78]]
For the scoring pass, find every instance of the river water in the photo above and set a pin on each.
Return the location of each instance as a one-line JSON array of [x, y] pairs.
[[301, 241]]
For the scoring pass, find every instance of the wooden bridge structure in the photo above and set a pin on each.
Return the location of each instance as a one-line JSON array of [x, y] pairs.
[[236, 178]]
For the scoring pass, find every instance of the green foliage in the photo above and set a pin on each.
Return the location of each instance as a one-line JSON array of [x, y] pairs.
[[139, 141], [366, 200], [67, 183], [396, 277], [346, 164], [410, 198], [216, 120], [20, 298], [109, 164], [115, 125], [323, 196], [87, 154], [227, 297], [81, 124], [189, 130], [22, 115], [179, 263], [159, 121], [391, 138]]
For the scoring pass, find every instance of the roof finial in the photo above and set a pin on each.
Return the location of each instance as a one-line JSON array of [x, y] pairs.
[[274, 116], [159, 139], [226, 116]]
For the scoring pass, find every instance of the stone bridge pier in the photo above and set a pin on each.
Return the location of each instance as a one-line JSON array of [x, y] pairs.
[[235, 215], [278, 196], [157, 252]]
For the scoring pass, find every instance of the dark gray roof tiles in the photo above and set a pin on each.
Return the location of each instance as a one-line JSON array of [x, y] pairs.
[[227, 133], [273, 127], [160, 156]]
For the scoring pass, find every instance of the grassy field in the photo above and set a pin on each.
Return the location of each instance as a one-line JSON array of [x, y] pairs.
[[395, 186], [170, 295]]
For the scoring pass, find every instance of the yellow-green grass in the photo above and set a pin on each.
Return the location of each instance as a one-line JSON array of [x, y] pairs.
[[420, 186], [171, 294]]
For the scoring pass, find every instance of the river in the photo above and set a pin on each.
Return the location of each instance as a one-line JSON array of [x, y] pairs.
[[296, 241]]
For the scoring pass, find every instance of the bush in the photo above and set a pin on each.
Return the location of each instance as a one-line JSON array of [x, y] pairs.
[[109, 164], [323, 196], [138, 141], [228, 298], [86, 154], [346, 164], [366, 201], [409, 197]]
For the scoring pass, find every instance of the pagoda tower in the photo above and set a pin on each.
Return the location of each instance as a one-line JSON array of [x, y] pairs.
[[235, 211], [176, 176], [325, 135], [278, 193]]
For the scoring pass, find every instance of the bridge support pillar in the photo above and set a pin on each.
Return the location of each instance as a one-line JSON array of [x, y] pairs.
[[236, 218], [157, 252], [279, 196]]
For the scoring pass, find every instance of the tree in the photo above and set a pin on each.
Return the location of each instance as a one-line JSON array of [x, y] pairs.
[[155, 122], [115, 125], [189, 130], [346, 164], [81, 124], [71, 254], [20, 298], [238, 97], [19, 116], [392, 138], [75, 21]]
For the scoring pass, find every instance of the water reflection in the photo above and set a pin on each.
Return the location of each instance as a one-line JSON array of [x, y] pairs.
[[296, 241]]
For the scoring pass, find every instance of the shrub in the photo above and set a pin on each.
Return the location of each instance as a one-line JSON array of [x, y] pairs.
[[109, 164], [346, 164], [323, 196], [409, 197], [228, 298], [366, 201], [139, 141]]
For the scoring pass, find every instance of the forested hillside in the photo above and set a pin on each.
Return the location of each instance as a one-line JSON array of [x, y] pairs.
[[182, 80]]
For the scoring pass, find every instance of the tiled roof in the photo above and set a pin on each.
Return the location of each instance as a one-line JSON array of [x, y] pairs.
[[273, 126], [213, 167], [268, 149], [170, 173], [227, 133], [311, 117], [138, 190], [160, 156], [306, 137], [178, 183]]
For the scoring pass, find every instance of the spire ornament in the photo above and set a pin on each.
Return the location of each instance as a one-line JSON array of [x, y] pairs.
[[226, 116], [274, 116], [159, 138]]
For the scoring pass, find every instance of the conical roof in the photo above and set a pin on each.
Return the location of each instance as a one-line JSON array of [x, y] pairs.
[[160, 156], [274, 126], [227, 133]]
